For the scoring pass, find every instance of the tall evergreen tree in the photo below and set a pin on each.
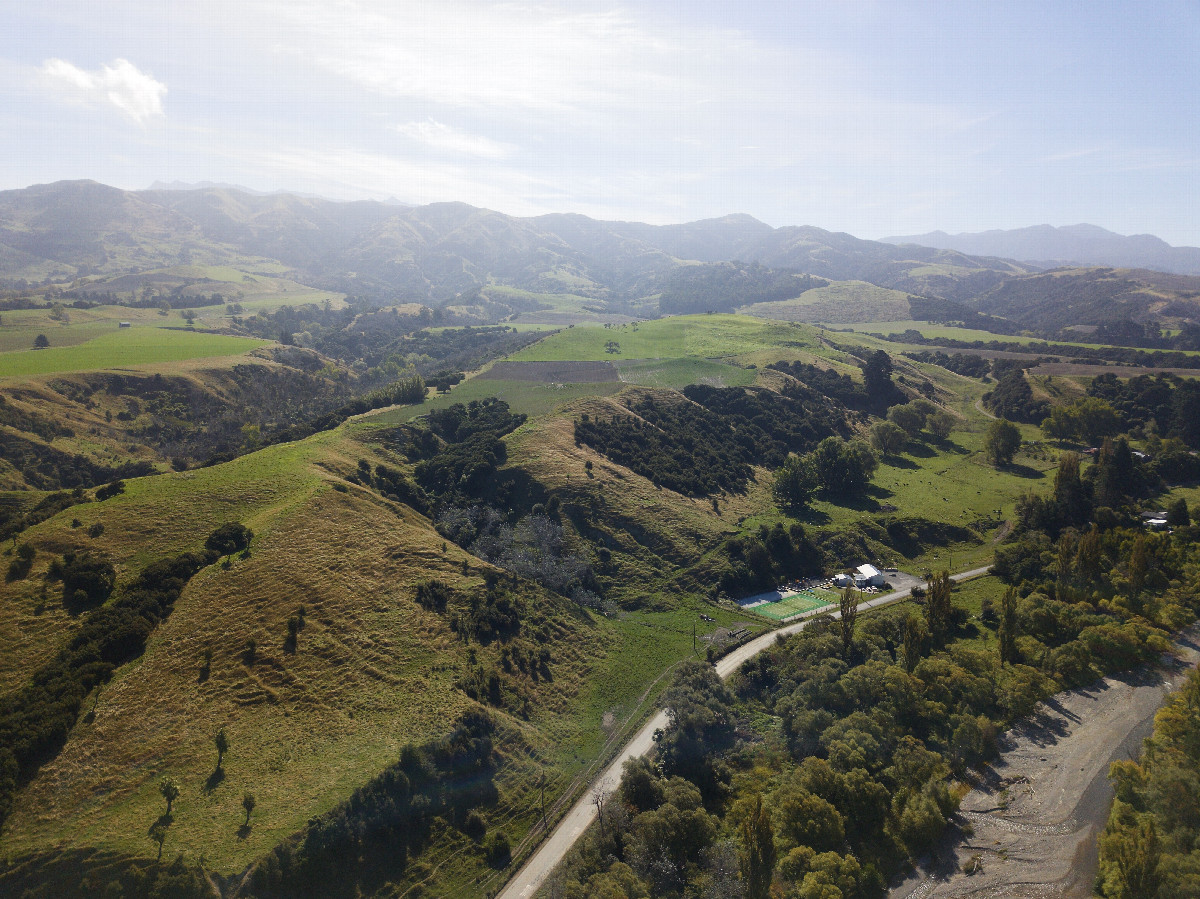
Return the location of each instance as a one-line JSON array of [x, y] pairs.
[[758, 851]]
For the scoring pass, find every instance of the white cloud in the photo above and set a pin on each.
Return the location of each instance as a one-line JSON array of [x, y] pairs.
[[121, 85], [444, 138]]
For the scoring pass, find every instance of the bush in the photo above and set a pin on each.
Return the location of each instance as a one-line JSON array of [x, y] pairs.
[[497, 850], [110, 490], [87, 577], [229, 539]]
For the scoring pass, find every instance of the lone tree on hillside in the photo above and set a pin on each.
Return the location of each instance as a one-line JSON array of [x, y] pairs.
[[1002, 442], [795, 484], [41, 342], [909, 417], [170, 792], [248, 804], [222, 743]]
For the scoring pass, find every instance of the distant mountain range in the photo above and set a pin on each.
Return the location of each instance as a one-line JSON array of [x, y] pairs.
[[102, 240], [430, 253], [1047, 246]]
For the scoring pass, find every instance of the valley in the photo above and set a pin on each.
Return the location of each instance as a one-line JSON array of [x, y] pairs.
[[501, 502]]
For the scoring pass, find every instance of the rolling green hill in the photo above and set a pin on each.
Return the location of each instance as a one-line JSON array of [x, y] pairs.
[[372, 665]]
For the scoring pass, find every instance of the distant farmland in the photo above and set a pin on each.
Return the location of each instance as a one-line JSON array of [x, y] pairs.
[[120, 349], [553, 372]]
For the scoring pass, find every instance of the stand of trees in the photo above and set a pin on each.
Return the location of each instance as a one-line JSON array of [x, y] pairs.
[[837, 467], [879, 714], [1012, 398], [708, 445]]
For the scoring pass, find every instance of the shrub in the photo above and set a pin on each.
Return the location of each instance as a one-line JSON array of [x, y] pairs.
[[110, 490], [229, 539], [497, 850]]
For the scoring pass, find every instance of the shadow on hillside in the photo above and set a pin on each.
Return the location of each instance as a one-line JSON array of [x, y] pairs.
[[866, 502], [809, 515], [243, 831], [946, 445], [214, 780], [1024, 471], [920, 450], [900, 462]]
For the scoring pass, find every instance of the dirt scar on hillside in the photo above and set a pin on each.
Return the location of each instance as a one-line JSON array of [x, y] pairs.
[[1030, 826]]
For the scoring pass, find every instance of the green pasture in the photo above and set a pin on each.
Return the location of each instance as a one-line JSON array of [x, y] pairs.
[[678, 373], [695, 336], [841, 301], [529, 397], [123, 348]]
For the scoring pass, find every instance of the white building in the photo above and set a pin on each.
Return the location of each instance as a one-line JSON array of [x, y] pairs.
[[842, 580], [868, 576]]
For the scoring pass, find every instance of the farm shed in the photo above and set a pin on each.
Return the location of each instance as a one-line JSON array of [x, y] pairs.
[[868, 576]]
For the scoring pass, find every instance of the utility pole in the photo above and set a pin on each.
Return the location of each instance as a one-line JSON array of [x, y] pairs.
[[542, 784], [693, 638]]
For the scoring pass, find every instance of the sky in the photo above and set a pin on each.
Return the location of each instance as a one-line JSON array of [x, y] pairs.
[[875, 118]]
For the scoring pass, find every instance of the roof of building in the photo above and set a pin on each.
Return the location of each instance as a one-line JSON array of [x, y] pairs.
[[868, 570]]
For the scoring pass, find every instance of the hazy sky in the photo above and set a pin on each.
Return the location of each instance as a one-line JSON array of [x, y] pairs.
[[873, 118]]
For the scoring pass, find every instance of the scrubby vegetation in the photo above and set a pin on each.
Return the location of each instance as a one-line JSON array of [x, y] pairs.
[[1012, 398], [875, 721], [725, 286], [1148, 847], [709, 445]]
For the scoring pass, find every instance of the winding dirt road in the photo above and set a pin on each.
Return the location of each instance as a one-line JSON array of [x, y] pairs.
[[555, 847]]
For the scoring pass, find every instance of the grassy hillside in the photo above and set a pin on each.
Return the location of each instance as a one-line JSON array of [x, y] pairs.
[[845, 301], [372, 668], [122, 348], [692, 336]]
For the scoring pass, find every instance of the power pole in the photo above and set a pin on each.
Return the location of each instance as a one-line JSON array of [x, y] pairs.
[[542, 784]]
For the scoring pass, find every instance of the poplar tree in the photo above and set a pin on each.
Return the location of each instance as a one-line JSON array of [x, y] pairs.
[[758, 851]]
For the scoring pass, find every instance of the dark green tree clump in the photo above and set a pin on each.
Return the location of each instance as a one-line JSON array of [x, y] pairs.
[[1002, 441], [1012, 398], [87, 578], [229, 539], [758, 562], [710, 444]]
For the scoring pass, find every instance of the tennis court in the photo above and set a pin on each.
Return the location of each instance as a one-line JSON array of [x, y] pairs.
[[804, 601]]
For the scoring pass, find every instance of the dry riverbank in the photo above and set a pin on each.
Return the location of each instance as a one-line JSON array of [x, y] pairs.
[[1029, 829]]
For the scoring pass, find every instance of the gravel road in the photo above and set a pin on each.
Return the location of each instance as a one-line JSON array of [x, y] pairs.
[[1035, 818], [555, 847]]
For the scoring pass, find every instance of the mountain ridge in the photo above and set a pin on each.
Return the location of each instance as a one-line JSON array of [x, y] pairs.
[[1082, 244]]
